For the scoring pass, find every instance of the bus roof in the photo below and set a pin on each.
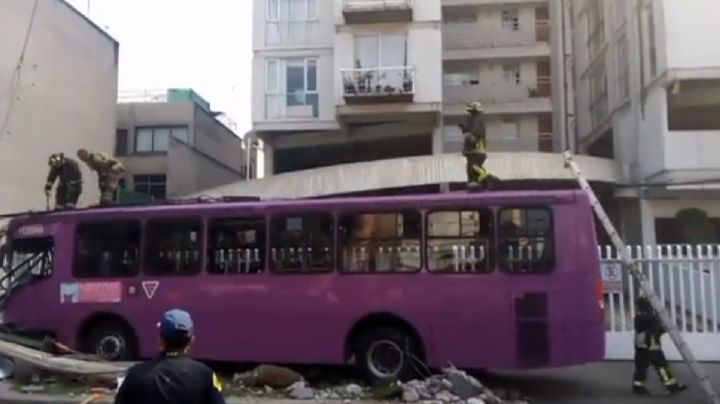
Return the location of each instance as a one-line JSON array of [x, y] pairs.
[[382, 202]]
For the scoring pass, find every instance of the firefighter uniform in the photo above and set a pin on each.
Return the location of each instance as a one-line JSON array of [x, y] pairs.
[[67, 173], [475, 146], [109, 172], [648, 351]]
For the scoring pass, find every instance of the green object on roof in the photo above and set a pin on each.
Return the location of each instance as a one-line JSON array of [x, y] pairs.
[[125, 196], [187, 95]]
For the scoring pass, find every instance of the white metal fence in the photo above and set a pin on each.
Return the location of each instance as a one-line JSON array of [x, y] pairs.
[[687, 280]]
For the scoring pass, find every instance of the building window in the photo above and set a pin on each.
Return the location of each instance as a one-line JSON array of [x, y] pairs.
[[597, 82], [595, 26], [526, 243], [107, 249], [623, 68], [157, 139], [172, 247], [236, 245], [460, 241], [510, 20], [462, 78], [302, 243], [291, 88], [153, 185], [380, 242], [511, 74], [510, 128], [378, 51], [290, 22], [121, 142]]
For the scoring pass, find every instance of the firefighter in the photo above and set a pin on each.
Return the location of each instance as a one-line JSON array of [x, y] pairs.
[[172, 378], [67, 173], [475, 146], [648, 351], [109, 171]]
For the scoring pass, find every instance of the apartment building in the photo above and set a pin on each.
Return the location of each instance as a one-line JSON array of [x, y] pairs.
[[172, 145], [647, 79], [58, 90], [365, 80]]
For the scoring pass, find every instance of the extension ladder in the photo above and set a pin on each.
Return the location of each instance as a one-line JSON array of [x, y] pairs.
[[645, 285]]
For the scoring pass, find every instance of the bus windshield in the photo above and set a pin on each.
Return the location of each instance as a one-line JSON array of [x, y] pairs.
[[26, 260]]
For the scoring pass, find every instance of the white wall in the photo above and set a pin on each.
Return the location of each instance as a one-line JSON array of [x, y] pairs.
[[691, 32], [64, 100], [652, 133], [488, 31]]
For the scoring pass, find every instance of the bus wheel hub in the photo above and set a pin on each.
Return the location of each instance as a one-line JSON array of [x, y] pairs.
[[385, 359], [110, 347]]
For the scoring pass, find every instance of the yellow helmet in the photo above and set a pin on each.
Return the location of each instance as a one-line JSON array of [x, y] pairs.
[[475, 106], [56, 159]]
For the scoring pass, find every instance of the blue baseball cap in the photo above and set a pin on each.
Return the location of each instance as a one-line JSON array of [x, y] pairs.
[[176, 323]]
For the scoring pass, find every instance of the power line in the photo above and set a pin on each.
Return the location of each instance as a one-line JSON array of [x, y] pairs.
[[17, 73]]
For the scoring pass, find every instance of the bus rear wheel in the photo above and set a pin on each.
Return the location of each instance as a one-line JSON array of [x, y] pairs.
[[386, 354], [111, 341]]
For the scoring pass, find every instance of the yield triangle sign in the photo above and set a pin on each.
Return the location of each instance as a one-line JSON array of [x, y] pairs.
[[150, 287]]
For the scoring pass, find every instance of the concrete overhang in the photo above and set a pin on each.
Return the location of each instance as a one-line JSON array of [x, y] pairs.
[[415, 171]]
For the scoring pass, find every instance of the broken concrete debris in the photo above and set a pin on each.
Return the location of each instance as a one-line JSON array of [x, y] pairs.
[[301, 391], [277, 377], [453, 386]]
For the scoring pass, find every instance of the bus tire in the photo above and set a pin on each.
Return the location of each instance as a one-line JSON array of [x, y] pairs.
[[386, 354], [112, 341]]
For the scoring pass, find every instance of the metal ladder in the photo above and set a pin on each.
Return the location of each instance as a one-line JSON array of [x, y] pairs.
[[645, 285]]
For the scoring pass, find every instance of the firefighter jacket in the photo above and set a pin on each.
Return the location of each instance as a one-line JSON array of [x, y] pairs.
[[474, 135], [648, 331], [104, 164], [68, 174]]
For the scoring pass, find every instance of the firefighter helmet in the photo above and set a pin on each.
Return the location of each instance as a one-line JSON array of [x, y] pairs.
[[475, 106], [56, 159]]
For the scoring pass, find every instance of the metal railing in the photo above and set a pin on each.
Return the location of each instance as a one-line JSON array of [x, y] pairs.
[[379, 81], [372, 5], [686, 278]]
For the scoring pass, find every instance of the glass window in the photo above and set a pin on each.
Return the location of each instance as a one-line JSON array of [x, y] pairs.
[[291, 88], [172, 247], [526, 242], [460, 241], [181, 134], [273, 10], [302, 243], [161, 139], [33, 257], [144, 140], [311, 75], [380, 242], [510, 20], [153, 185], [236, 246], [107, 249]]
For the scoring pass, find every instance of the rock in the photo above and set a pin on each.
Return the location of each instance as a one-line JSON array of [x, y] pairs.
[[410, 395], [353, 391], [268, 375], [301, 391], [492, 399], [268, 389], [463, 385], [475, 401], [446, 397]]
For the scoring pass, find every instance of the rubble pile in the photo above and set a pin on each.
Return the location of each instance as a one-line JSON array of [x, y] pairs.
[[454, 386]]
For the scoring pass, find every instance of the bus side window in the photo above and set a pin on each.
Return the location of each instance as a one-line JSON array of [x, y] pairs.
[[460, 241], [380, 242], [526, 242], [236, 245], [302, 243], [107, 249], [172, 247]]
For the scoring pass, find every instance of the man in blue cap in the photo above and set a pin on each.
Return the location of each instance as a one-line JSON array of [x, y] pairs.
[[172, 378]]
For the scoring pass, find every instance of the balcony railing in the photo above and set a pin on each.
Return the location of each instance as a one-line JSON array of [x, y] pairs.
[[374, 11], [380, 84]]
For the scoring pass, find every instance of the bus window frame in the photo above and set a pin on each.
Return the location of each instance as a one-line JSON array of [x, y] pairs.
[[385, 210], [492, 260], [244, 215], [553, 261], [144, 250], [273, 269], [137, 271]]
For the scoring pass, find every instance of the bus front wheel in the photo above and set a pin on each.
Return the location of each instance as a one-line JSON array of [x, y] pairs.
[[386, 354], [112, 341]]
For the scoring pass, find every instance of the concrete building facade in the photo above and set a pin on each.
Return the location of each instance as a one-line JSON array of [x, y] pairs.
[[647, 79], [58, 89], [176, 146], [368, 80]]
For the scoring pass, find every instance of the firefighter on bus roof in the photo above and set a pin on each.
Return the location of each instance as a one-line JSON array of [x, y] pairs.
[[648, 351], [475, 146], [109, 171], [66, 172]]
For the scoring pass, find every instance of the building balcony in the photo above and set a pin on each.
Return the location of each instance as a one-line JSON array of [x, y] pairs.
[[377, 11], [526, 106], [498, 98], [461, 42], [379, 85]]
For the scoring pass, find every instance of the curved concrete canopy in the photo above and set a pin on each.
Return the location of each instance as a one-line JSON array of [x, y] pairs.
[[414, 171]]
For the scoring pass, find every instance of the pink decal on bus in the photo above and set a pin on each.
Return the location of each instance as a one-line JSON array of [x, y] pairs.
[[91, 292]]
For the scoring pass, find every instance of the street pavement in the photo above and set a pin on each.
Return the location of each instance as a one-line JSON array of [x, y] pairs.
[[602, 383]]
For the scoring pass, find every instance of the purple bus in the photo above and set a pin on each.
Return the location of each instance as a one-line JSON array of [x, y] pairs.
[[502, 280]]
